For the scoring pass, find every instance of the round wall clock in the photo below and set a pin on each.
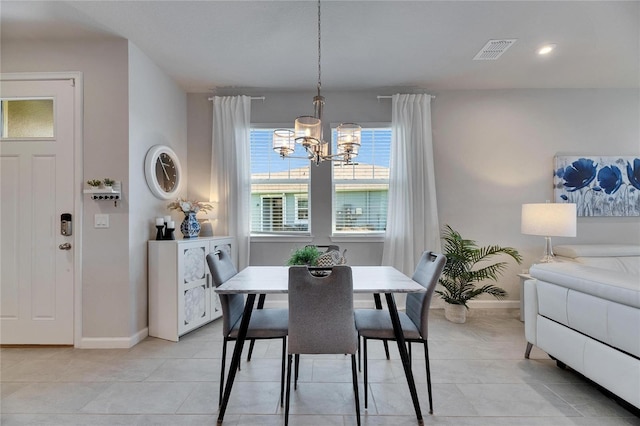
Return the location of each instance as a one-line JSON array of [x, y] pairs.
[[162, 171]]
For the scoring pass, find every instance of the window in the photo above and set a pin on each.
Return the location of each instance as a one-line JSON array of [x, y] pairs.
[[27, 118], [302, 208], [279, 188], [360, 190]]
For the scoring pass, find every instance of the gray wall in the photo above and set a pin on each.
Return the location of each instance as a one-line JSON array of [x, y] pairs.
[[129, 105], [157, 115], [493, 151], [105, 258]]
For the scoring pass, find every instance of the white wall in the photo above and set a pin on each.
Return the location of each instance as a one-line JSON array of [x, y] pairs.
[[157, 115], [493, 151]]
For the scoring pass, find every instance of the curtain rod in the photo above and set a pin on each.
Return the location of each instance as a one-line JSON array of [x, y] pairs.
[[253, 98], [390, 96]]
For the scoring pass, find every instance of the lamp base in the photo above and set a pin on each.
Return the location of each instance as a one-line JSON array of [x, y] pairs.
[[548, 256], [547, 259]]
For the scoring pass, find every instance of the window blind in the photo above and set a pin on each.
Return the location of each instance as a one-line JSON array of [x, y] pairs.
[[360, 190], [279, 187]]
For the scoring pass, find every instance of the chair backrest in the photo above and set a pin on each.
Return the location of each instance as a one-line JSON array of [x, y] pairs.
[[222, 268], [426, 274], [321, 317]]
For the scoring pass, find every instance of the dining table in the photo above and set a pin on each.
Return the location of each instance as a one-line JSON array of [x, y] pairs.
[[254, 280]]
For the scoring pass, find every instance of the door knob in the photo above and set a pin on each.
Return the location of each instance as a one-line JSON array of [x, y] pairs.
[[65, 246]]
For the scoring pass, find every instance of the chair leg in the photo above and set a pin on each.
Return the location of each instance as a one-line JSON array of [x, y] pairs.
[[378, 303], [527, 351], [286, 405], [354, 376], [284, 351], [426, 361], [359, 363], [409, 351], [366, 375], [253, 342], [224, 356], [297, 367]]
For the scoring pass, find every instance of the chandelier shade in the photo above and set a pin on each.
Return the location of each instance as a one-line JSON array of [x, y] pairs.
[[308, 130], [283, 142], [349, 137]]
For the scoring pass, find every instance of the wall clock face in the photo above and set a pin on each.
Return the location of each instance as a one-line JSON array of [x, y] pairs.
[[163, 172]]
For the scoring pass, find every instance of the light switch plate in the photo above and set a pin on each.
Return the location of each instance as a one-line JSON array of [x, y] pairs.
[[101, 221]]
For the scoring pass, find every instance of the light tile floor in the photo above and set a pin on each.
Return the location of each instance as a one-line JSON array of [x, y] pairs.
[[480, 377]]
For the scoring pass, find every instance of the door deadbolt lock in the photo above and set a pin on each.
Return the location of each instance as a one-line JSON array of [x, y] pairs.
[[65, 225], [65, 246]]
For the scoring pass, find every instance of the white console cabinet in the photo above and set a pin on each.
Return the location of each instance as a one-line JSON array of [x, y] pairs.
[[181, 297]]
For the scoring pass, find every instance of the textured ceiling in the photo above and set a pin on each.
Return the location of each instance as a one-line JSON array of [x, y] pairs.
[[272, 45]]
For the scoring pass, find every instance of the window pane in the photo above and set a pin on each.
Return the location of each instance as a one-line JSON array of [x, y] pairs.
[[360, 190], [279, 188], [27, 118], [360, 207]]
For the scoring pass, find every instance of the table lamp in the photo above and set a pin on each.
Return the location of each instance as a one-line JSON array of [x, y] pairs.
[[205, 219], [549, 220]]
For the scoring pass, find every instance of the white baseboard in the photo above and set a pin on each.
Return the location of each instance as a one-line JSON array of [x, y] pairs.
[[435, 304], [113, 342], [494, 304]]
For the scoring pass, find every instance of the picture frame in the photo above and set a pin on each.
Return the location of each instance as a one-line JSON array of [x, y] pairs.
[[598, 185]]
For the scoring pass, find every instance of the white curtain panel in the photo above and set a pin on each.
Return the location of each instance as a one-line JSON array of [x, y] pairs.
[[412, 215], [230, 169]]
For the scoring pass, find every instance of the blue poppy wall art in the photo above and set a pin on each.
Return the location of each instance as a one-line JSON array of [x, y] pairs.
[[599, 186]]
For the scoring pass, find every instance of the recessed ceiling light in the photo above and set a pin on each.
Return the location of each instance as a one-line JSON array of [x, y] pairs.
[[546, 49]]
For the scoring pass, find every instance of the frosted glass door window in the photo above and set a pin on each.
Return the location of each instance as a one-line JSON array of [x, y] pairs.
[[27, 118]]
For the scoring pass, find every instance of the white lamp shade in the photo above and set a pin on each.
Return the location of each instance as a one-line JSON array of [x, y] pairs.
[[549, 219]]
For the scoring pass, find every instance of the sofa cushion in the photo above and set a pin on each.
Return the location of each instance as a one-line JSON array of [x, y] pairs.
[[610, 285]]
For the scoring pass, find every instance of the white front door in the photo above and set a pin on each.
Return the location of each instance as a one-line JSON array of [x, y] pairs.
[[36, 189]]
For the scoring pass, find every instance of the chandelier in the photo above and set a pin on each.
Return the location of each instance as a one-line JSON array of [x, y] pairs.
[[308, 131]]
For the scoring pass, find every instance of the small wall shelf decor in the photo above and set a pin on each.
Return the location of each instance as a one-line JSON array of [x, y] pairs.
[[109, 193]]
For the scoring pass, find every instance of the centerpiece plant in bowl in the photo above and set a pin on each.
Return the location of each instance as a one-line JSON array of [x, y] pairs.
[[468, 265], [307, 255]]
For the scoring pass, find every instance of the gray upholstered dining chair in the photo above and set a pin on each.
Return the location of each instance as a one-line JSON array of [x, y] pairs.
[[321, 319], [262, 297], [376, 324], [264, 323]]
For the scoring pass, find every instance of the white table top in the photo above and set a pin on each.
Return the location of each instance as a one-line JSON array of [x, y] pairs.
[[274, 279]]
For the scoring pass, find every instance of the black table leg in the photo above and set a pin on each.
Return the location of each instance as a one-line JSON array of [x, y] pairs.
[[404, 356], [378, 303], [237, 353]]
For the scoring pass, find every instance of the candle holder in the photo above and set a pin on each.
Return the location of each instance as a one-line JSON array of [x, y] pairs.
[[159, 235], [168, 234]]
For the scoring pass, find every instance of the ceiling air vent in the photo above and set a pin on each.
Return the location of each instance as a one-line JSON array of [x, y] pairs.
[[494, 49]]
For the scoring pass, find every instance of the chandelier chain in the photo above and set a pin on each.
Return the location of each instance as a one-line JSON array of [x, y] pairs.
[[319, 51]]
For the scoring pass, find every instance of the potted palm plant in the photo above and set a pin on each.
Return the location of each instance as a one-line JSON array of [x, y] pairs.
[[467, 266]]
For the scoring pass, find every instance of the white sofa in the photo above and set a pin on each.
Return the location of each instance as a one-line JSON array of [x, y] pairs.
[[584, 311]]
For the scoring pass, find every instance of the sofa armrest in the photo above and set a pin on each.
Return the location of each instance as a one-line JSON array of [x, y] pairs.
[[530, 311]]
